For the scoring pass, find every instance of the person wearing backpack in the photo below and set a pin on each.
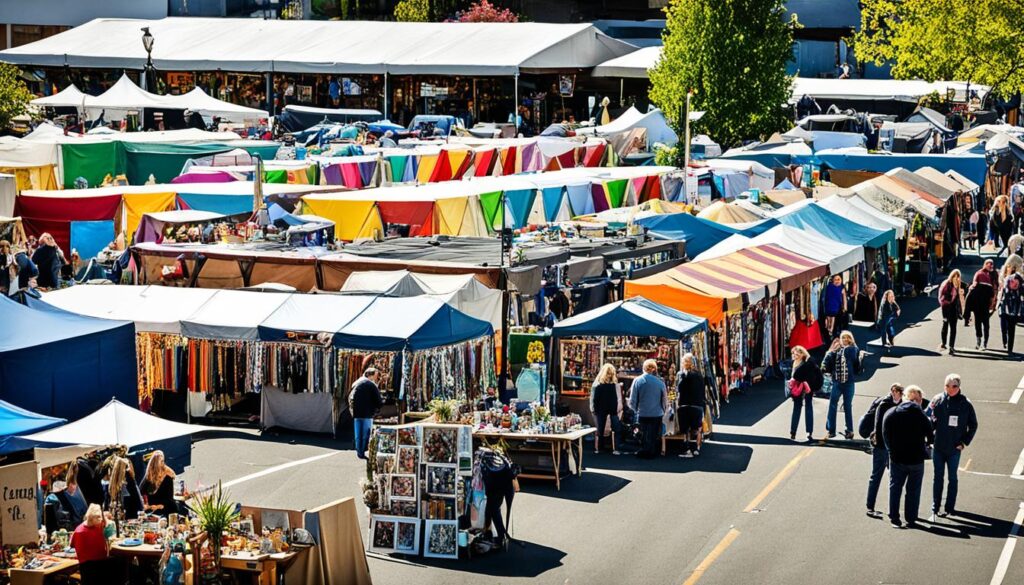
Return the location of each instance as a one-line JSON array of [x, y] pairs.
[[843, 362], [805, 381], [872, 420]]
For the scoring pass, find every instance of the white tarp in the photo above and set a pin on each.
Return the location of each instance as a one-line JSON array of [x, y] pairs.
[[117, 424], [654, 121], [856, 209], [22, 153], [125, 95], [155, 309], [69, 97], [902, 90], [461, 291], [318, 46], [634, 65], [760, 176], [232, 314], [809, 244], [198, 100]]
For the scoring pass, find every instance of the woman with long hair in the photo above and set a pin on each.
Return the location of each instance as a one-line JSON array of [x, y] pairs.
[[843, 362], [980, 301], [1001, 222], [606, 404], [951, 299], [835, 304], [806, 376], [1011, 301], [888, 312], [157, 486]]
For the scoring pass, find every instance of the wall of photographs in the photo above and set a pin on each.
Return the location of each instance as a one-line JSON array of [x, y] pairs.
[[422, 474]]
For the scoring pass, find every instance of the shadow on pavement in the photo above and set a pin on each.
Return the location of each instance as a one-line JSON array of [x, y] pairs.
[[522, 559], [591, 487], [715, 457], [748, 408]]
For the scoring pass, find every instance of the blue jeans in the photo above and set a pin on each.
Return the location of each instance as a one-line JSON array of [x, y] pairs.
[[844, 389], [910, 476], [362, 428], [889, 330], [879, 461], [805, 403], [945, 462], [602, 420]]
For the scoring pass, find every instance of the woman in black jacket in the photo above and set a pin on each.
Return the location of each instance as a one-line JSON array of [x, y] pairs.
[[805, 371], [606, 403], [691, 400], [49, 258]]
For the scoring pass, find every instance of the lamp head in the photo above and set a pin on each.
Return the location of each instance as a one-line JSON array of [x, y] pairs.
[[147, 39]]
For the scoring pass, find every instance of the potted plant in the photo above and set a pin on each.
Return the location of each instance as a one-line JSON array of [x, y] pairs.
[[215, 513]]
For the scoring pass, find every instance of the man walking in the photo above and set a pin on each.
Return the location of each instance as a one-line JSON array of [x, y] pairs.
[[907, 432], [648, 398], [879, 454], [955, 424], [691, 399], [363, 402]]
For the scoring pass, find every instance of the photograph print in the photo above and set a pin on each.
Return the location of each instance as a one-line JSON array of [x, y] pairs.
[[442, 539]]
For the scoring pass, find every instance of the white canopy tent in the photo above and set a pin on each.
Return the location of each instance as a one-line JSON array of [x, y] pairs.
[[198, 100], [310, 46], [653, 121], [69, 97], [117, 424], [461, 291], [854, 208], [232, 314], [879, 89], [809, 244], [634, 65], [154, 309], [126, 95]]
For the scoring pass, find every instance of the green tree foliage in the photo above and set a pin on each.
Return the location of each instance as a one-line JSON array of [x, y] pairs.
[[14, 96], [732, 54], [933, 40], [412, 11]]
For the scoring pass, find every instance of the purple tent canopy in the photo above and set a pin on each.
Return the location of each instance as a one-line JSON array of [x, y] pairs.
[[205, 177]]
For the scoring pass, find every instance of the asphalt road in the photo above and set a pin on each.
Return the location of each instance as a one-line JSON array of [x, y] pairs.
[[755, 508]]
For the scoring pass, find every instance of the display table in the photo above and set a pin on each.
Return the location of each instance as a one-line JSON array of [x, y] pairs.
[[262, 567], [553, 445], [141, 551], [40, 576]]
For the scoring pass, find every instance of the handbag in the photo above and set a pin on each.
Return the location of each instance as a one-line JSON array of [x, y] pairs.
[[798, 388]]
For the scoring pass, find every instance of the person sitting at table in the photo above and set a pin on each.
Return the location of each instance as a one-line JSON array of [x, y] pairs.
[[88, 540], [157, 487]]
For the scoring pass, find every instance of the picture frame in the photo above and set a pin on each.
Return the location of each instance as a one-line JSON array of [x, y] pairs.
[[442, 539], [465, 464], [408, 436], [566, 85], [404, 509], [465, 441], [386, 441], [382, 534], [403, 487], [407, 537], [440, 444], [408, 459], [386, 464], [442, 480]]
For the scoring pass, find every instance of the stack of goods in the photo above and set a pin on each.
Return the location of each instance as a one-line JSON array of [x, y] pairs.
[[419, 483], [536, 420]]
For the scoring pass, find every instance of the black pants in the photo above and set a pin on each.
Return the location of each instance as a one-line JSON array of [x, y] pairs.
[[949, 326], [602, 420], [492, 512], [981, 324], [1008, 328], [650, 435]]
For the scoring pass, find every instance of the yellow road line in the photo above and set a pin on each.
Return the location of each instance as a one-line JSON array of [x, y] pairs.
[[774, 483], [712, 557]]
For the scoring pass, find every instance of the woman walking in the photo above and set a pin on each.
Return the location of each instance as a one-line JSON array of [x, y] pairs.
[[606, 403], [951, 299], [806, 379], [842, 361], [835, 305], [981, 301], [1011, 301], [888, 312], [1001, 223]]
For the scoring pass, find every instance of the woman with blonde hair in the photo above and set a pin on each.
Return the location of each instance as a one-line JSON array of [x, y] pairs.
[[606, 404], [1011, 301], [842, 361], [88, 540], [951, 299], [1001, 222], [805, 380], [157, 486]]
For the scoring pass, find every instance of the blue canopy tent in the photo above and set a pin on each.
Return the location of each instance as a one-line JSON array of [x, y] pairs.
[[410, 323], [699, 234], [972, 166], [18, 421], [60, 364], [813, 217]]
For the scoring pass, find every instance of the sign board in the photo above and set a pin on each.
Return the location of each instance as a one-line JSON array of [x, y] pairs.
[[18, 488], [691, 187]]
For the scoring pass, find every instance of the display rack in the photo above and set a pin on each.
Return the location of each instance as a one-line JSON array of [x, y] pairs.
[[582, 358]]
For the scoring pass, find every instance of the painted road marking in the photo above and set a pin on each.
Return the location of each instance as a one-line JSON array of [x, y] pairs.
[[277, 468], [1019, 468], [780, 477], [966, 465], [712, 557], [1007, 554], [1016, 395]]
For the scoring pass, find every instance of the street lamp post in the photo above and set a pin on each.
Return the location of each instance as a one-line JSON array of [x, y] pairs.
[[147, 43]]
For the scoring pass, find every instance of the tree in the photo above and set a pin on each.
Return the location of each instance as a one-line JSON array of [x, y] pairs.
[[732, 55], [950, 40], [14, 96], [484, 11], [412, 11]]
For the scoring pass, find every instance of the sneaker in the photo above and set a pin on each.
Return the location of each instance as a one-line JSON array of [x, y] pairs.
[[696, 452], [942, 514], [942, 346], [792, 436], [810, 438], [848, 435], [896, 524], [616, 452], [872, 513], [912, 525], [830, 435], [686, 455]]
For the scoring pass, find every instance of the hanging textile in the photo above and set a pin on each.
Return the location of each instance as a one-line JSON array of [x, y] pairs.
[[452, 372]]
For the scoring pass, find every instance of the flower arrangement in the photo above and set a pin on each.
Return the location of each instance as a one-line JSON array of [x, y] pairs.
[[535, 352]]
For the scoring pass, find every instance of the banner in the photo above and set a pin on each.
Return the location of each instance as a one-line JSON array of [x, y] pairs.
[[18, 519]]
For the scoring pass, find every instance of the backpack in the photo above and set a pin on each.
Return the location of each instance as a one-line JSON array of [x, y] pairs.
[[866, 426]]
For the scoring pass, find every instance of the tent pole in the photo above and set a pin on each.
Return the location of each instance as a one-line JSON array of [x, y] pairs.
[[622, 88], [270, 93], [385, 112], [515, 104]]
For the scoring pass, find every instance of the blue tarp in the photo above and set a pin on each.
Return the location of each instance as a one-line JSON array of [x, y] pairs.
[[18, 421], [813, 217], [552, 197], [223, 204], [699, 234], [972, 166], [60, 364], [413, 323], [88, 238], [635, 316]]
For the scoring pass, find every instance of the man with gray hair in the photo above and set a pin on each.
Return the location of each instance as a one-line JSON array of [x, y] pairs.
[[690, 401], [648, 398], [955, 424], [907, 432]]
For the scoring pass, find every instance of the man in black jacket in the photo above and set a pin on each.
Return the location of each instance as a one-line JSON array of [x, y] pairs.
[[907, 432], [690, 402], [363, 403], [879, 454], [955, 424]]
